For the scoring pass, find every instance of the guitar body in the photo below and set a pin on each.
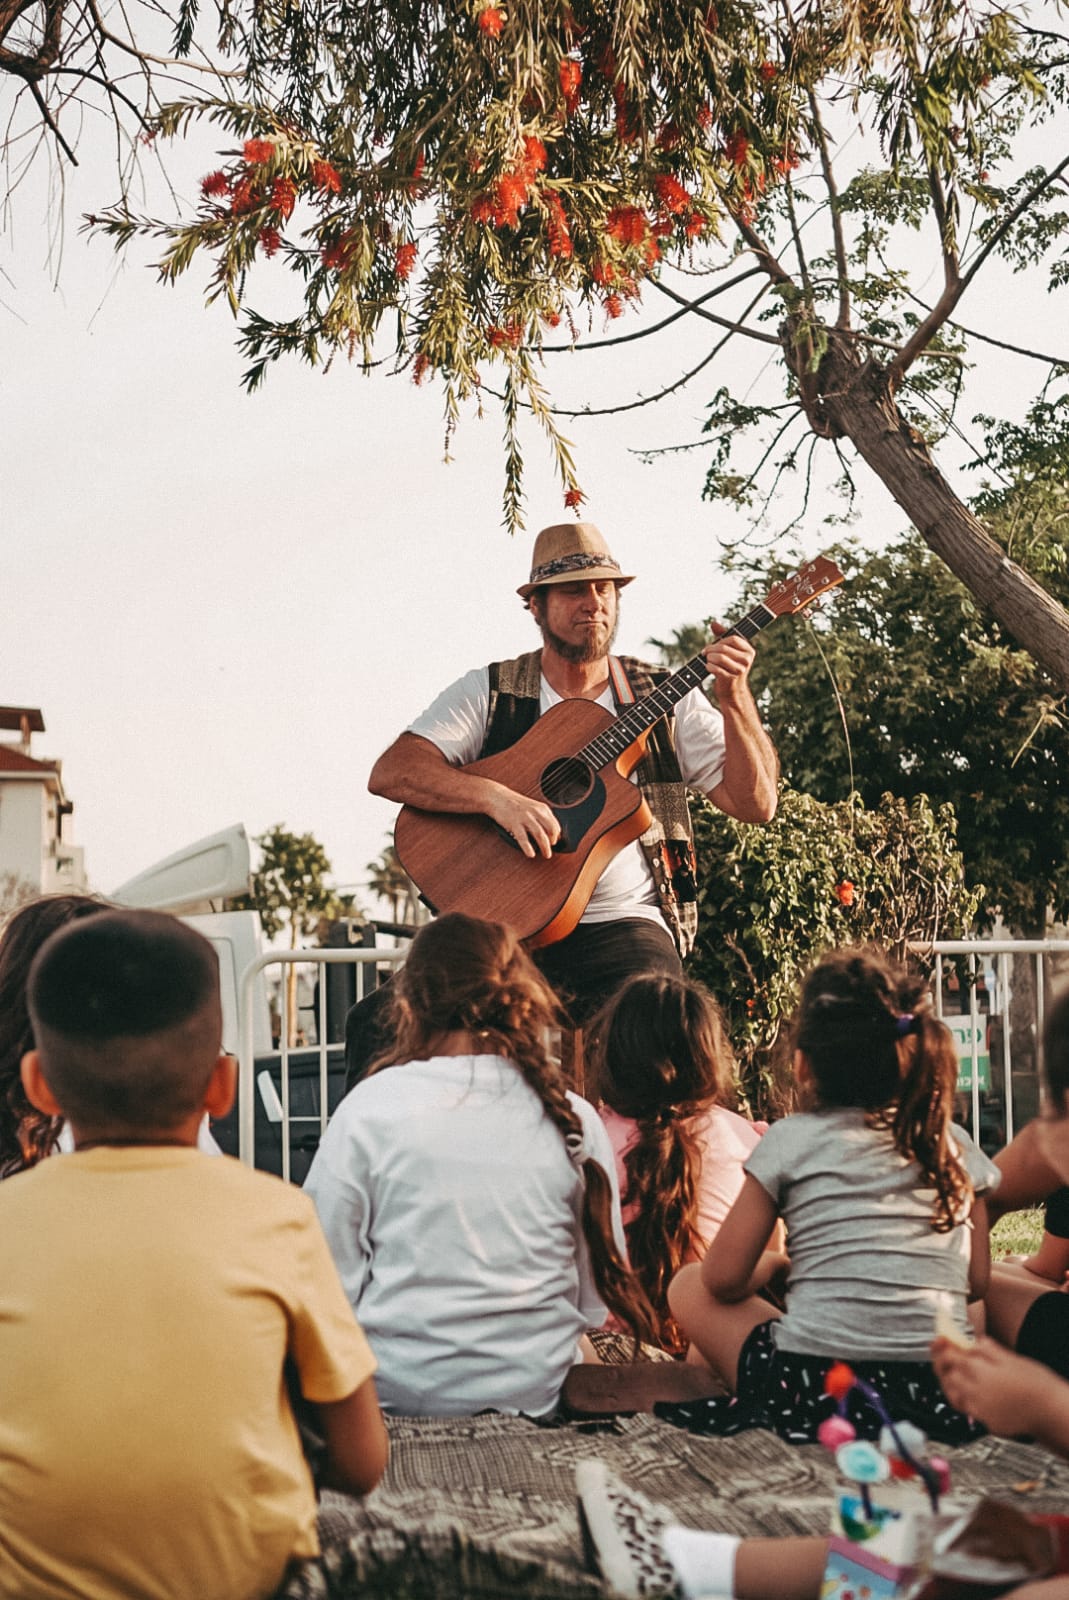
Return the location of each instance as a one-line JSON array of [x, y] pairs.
[[465, 863]]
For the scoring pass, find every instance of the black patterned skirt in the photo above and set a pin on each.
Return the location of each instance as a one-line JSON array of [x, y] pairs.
[[784, 1392]]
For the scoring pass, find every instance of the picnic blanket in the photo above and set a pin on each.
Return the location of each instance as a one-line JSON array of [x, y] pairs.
[[484, 1507]]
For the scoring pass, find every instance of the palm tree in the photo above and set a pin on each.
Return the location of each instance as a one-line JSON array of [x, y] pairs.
[[388, 879]]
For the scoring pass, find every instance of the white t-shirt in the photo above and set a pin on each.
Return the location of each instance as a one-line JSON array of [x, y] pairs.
[[456, 723], [868, 1270], [452, 1210]]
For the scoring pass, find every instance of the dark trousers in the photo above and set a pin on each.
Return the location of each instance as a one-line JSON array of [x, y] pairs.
[[584, 970]]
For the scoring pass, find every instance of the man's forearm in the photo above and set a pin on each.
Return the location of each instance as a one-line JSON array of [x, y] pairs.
[[748, 788]]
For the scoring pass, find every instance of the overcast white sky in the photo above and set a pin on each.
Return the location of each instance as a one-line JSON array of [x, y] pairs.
[[226, 606]]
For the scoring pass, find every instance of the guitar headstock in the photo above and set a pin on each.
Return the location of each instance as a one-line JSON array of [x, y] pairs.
[[801, 588]]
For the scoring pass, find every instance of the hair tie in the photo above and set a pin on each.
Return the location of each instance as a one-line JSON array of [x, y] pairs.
[[908, 1022], [573, 1143]]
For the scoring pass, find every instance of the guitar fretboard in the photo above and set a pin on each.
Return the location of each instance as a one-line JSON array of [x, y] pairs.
[[652, 707]]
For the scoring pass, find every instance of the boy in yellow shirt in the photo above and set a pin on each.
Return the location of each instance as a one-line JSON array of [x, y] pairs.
[[150, 1296]]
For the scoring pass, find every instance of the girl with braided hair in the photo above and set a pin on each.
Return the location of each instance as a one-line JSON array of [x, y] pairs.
[[665, 1074], [881, 1194], [468, 1197], [26, 1134]]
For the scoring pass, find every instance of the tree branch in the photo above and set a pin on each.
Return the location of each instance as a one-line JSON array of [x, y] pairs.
[[642, 333], [721, 322], [953, 286], [842, 322]]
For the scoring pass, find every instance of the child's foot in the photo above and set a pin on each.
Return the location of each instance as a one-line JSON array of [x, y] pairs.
[[622, 1534]]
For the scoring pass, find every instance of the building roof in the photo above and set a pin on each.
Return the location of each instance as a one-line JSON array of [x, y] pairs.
[[13, 718], [14, 760]]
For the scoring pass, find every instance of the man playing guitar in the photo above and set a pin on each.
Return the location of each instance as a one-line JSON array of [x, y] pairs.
[[641, 912]]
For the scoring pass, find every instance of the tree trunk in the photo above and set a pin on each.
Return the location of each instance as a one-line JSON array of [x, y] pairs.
[[852, 399]]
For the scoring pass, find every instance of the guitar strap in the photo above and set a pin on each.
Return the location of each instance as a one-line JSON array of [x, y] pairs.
[[622, 691]]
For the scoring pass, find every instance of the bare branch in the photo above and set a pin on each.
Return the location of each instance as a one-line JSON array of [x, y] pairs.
[[842, 321], [722, 322]]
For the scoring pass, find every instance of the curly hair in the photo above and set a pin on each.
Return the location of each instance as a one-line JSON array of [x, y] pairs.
[[867, 1031], [26, 1134], [466, 975], [660, 1057]]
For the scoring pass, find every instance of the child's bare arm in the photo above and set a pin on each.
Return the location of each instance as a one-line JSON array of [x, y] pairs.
[[357, 1443], [733, 1267], [979, 1250]]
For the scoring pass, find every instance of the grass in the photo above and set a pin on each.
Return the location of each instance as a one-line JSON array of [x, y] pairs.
[[1019, 1233]]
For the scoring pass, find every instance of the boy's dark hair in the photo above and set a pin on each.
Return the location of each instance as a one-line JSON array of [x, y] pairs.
[[126, 1015]]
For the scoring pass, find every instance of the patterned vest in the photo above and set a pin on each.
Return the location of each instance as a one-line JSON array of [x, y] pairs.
[[668, 842]]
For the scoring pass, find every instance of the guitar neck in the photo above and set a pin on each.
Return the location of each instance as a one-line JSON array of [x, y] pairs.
[[642, 715]]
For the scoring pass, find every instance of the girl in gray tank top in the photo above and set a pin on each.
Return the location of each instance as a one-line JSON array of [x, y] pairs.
[[881, 1194]]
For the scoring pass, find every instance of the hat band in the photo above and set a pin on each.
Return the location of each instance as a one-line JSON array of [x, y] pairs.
[[580, 562]]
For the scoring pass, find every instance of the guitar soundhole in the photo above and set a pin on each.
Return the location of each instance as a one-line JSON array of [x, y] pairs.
[[566, 782]]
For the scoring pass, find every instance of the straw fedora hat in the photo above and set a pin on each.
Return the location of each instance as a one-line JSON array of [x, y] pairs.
[[571, 552]]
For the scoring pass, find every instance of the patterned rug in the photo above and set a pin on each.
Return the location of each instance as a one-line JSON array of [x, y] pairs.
[[484, 1507]]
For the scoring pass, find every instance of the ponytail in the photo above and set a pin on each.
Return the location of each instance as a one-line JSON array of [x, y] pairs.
[[870, 1040], [920, 1122]]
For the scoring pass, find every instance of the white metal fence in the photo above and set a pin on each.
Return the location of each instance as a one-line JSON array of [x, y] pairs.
[[991, 958], [247, 1084]]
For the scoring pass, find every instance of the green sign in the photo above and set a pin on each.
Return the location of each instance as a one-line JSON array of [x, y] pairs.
[[967, 1036]]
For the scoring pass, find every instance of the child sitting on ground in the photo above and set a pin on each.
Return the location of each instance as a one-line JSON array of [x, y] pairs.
[[468, 1197], [150, 1298], [880, 1193], [664, 1069]]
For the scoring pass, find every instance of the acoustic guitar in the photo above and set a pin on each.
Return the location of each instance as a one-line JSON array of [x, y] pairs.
[[577, 759]]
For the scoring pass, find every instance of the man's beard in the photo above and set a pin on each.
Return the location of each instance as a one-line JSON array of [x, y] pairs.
[[577, 654]]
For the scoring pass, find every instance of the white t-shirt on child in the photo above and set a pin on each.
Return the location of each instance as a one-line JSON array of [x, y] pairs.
[[868, 1270], [452, 1210]]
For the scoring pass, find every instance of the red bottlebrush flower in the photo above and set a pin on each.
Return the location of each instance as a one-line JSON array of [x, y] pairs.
[[270, 241], [325, 177], [510, 194], [626, 120], [671, 195], [482, 208], [663, 228], [694, 225], [845, 892], [603, 273], [705, 118], [712, 20], [257, 151], [787, 162], [214, 185], [573, 499], [839, 1380], [551, 319], [283, 196], [652, 252], [627, 224], [405, 259], [558, 233], [420, 368], [736, 148], [509, 335], [614, 306], [984, 176], [767, 71], [244, 197], [534, 156], [747, 214], [491, 21], [606, 62], [669, 136], [338, 255], [571, 76]]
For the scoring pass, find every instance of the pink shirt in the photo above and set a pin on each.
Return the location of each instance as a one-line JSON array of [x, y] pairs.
[[725, 1139]]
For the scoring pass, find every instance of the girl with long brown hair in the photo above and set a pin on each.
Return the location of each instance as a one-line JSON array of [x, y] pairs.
[[665, 1071], [26, 1134], [881, 1194], [468, 1197]]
